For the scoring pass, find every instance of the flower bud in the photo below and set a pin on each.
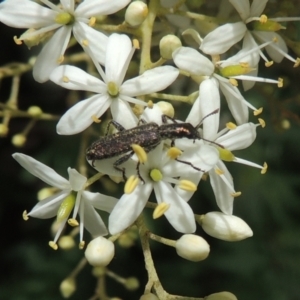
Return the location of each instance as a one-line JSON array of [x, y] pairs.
[[100, 252], [132, 283], [67, 287], [66, 242], [192, 247], [18, 140], [168, 44], [221, 296], [149, 296], [225, 227], [3, 130], [136, 13], [35, 111]]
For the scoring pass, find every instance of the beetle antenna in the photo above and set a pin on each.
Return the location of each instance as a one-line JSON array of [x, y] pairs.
[[212, 113]]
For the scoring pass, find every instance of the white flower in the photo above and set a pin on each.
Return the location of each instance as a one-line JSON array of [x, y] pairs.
[[64, 19], [112, 91], [61, 205], [198, 65], [222, 38]]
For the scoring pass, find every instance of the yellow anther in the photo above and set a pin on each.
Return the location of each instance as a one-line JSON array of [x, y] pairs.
[[65, 79], [131, 184], [150, 104], [140, 153], [236, 194], [262, 122], [264, 169], [233, 82], [95, 119], [25, 216], [156, 175], [225, 154], [160, 209], [280, 82], [258, 111], [231, 126], [174, 152], [187, 185], [92, 21], [65, 208], [136, 44], [85, 43], [219, 171], [53, 245], [269, 63], [73, 222], [81, 245], [60, 59], [263, 19], [34, 111], [297, 63], [17, 41]]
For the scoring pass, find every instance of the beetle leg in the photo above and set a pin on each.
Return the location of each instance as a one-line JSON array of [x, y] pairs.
[[190, 164], [117, 125], [165, 119]]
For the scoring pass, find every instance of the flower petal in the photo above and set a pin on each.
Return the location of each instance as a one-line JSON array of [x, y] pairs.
[[74, 78], [25, 14], [224, 37], [89, 8], [180, 215], [41, 171], [242, 7], [257, 7], [151, 81], [190, 60], [49, 57], [128, 208], [76, 180], [79, 117], [100, 201]]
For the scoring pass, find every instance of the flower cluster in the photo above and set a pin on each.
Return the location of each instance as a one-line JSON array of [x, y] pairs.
[[151, 151]]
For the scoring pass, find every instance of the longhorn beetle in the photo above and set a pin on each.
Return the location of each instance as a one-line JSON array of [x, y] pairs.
[[147, 135]]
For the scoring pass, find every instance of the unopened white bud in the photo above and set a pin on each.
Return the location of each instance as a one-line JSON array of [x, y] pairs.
[[225, 227], [221, 296], [66, 242], [149, 296], [136, 13], [192, 247], [132, 283], [68, 287], [168, 44], [100, 251]]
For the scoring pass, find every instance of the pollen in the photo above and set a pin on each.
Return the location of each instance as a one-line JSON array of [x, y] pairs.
[[25, 216], [95, 119], [187, 185], [297, 63], [230, 125], [53, 245], [81, 245], [262, 122], [236, 194], [174, 152], [156, 175], [92, 21], [131, 184], [136, 44], [160, 209], [73, 222], [264, 169], [17, 41], [263, 19], [258, 111], [140, 153], [233, 82], [65, 79], [280, 82], [269, 63]]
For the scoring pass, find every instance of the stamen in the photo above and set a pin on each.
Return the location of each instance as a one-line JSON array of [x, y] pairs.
[[174, 152], [81, 245], [25, 216], [160, 209], [219, 171], [150, 104], [60, 59], [140, 153], [262, 122], [85, 43], [131, 184], [258, 111], [53, 245], [263, 19], [231, 126], [264, 169], [17, 41], [269, 63], [136, 44], [95, 119], [65, 79], [233, 81], [187, 185], [280, 82], [92, 21], [297, 63], [236, 194], [73, 222]]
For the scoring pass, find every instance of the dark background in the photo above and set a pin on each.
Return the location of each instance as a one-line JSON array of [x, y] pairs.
[[266, 266]]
